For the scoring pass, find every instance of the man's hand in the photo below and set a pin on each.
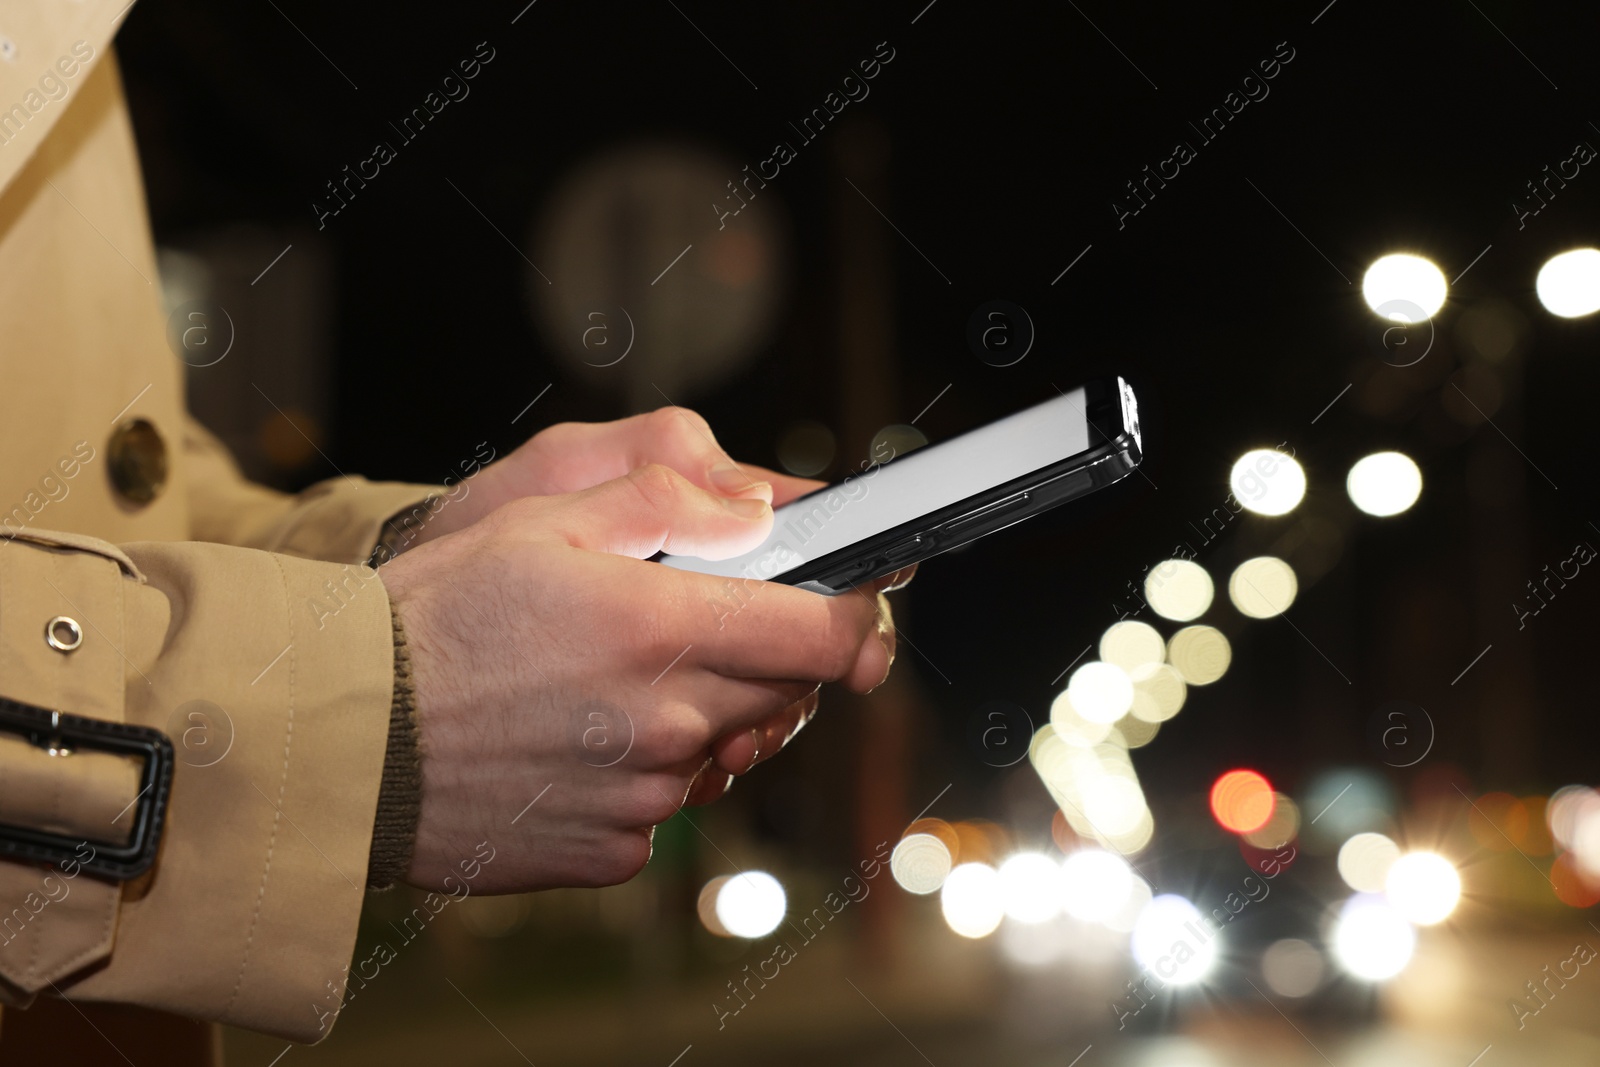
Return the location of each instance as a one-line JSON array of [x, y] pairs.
[[525, 626], [572, 456]]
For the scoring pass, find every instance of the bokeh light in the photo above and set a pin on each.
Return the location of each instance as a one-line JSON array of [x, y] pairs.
[[1165, 942], [1371, 939], [493, 917], [1132, 644], [1070, 726], [1292, 967], [920, 863], [1114, 805], [1384, 483], [1030, 888], [806, 448], [1095, 884], [894, 441], [1242, 801], [1102, 692], [1423, 886], [1280, 828], [1569, 284], [979, 841], [1585, 846], [1095, 787], [1178, 589], [1125, 918], [1569, 807], [706, 906], [971, 900], [751, 904], [1404, 288], [1364, 861], [1134, 731], [1573, 888], [1201, 654], [1263, 587], [1267, 482], [1343, 801], [1158, 694]]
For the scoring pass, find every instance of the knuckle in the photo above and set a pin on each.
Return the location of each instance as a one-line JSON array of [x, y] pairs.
[[514, 518], [657, 482], [674, 735], [622, 857], [650, 805], [556, 438], [678, 421]]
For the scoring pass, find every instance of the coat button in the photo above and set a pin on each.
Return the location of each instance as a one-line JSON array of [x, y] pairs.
[[137, 458]]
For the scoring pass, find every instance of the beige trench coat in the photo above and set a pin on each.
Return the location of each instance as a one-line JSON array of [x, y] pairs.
[[205, 592]]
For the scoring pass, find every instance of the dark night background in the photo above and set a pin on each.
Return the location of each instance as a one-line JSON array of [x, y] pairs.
[[1008, 132]]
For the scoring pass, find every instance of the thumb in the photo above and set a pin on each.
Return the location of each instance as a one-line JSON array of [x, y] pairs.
[[654, 509]]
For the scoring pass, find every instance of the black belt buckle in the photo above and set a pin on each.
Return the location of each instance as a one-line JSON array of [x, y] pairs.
[[52, 730]]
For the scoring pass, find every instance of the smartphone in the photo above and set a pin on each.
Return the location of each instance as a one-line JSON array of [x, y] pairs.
[[900, 510]]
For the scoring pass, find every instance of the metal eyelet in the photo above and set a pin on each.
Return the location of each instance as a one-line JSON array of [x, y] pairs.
[[63, 634]]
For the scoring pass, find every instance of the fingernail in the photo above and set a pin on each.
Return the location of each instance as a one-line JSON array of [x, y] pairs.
[[730, 479], [886, 630], [748, 509], [755, 741], [888, 656]]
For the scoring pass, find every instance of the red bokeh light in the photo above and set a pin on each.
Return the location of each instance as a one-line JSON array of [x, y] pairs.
[[1572, 888], [1242, 801]]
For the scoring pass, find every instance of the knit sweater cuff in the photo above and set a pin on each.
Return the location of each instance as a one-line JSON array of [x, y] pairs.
[[400, 795]]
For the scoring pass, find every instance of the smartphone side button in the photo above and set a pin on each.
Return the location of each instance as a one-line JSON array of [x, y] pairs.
[[982, 519], [906, 549]]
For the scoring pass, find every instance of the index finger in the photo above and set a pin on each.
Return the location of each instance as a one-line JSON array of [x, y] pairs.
[[765, 630]]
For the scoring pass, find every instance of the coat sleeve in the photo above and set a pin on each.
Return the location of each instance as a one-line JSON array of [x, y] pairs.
[[277, 698], [340, 519]]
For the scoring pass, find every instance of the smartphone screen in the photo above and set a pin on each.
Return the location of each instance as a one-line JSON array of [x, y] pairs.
[[888, 491]]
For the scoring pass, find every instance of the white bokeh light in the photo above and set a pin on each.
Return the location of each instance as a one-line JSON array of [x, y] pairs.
[[1165, 941], [1131, 644], [1371, 939], [972, 901], [1126, 917], [1365, 859], [920, 863], [1102, 692], [1423, 886], [1115, 807], [1094, 884], [1569, 284], [1384, 483], [1404, 288], [1030, 888], [751, 904], [1263, 587], [1267, 482], [1178, 589], [1571, 810]]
